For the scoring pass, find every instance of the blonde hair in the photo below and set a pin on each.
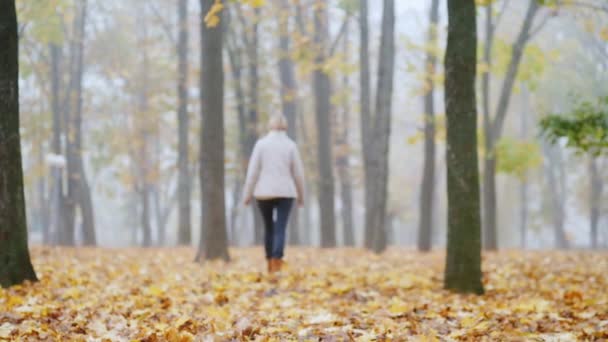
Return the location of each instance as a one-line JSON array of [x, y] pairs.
[[278, 122]]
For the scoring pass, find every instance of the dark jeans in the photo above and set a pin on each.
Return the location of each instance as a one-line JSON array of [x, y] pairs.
[[274, 237]]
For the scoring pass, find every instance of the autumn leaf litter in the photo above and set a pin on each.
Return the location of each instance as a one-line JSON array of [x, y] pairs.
[[332, 295]]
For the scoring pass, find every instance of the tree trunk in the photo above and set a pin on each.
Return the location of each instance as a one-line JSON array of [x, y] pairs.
[[214, 240], [495, 131], [322, 93], [379, 148], [235, 57], [143, 142], [557, 194], [595, 196], [523, 185], [427, 191], [366, 120], [343, 154], [15, 264], [463, 260], [289, 96], [183, 160], [58, 225], [82, 191]]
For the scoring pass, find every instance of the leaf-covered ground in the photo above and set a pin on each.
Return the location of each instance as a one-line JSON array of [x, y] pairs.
[[330, 295]]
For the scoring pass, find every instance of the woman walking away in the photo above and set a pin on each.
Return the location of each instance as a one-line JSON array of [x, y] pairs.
[[275, 178]]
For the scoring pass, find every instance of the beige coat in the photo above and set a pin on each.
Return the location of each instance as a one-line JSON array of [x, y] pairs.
[[275, 169]]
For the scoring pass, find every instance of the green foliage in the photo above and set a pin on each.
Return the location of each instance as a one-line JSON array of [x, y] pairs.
[[516, 157], [585, 128]]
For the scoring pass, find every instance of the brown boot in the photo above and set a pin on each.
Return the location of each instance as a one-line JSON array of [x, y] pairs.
[[270, 265], [278, 264]]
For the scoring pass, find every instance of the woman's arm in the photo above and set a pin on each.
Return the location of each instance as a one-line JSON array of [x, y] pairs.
[[297, 171], [253, 173]]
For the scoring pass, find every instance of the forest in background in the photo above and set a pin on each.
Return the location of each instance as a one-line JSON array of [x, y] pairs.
[[110, 96]]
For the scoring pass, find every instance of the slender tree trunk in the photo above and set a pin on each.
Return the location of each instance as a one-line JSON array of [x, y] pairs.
[[493, 135], [83, 193], [289, 95], [183, 160], [489, 186], [15, 264], [523, 185], [144, 136], [463, 260], [427, 191], [252, 119], [214, 240], [366, 120], [595, 196], [235, 57], [555, 181], [322, 93], [57, 197], [343, 155]]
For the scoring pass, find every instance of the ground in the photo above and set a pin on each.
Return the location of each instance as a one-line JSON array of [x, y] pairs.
[[329, 295]]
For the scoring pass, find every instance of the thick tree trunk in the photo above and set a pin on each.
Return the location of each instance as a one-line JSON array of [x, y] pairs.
[[463, 260], [214, 240], [381, 129], [183, 160], [15, 264], [427, 190], [322, 93], [495, 131], [595, 196]]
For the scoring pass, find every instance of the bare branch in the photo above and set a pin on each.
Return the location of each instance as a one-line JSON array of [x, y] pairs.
[[164, 25]]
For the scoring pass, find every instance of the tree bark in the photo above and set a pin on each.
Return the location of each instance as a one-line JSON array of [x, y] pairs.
[[463, 260], [214, 240], [58, 225], [15, 264], [289, 96], [343, 155], [379, 149], [144, 186], [78, 178], [366, 120], [183, 160], [494, 132], [322, 93], [427, 191], [595, 195], [523, 184], [555, 176]]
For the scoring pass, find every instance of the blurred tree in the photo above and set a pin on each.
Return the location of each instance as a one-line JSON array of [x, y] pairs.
[[289, 91], [15, 264], [463, 260], [79, 195], [322, 95], [427, 190], [214, 240], [493, 126], [376, 128], [183, 162], [343, 153], [586, 131]]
